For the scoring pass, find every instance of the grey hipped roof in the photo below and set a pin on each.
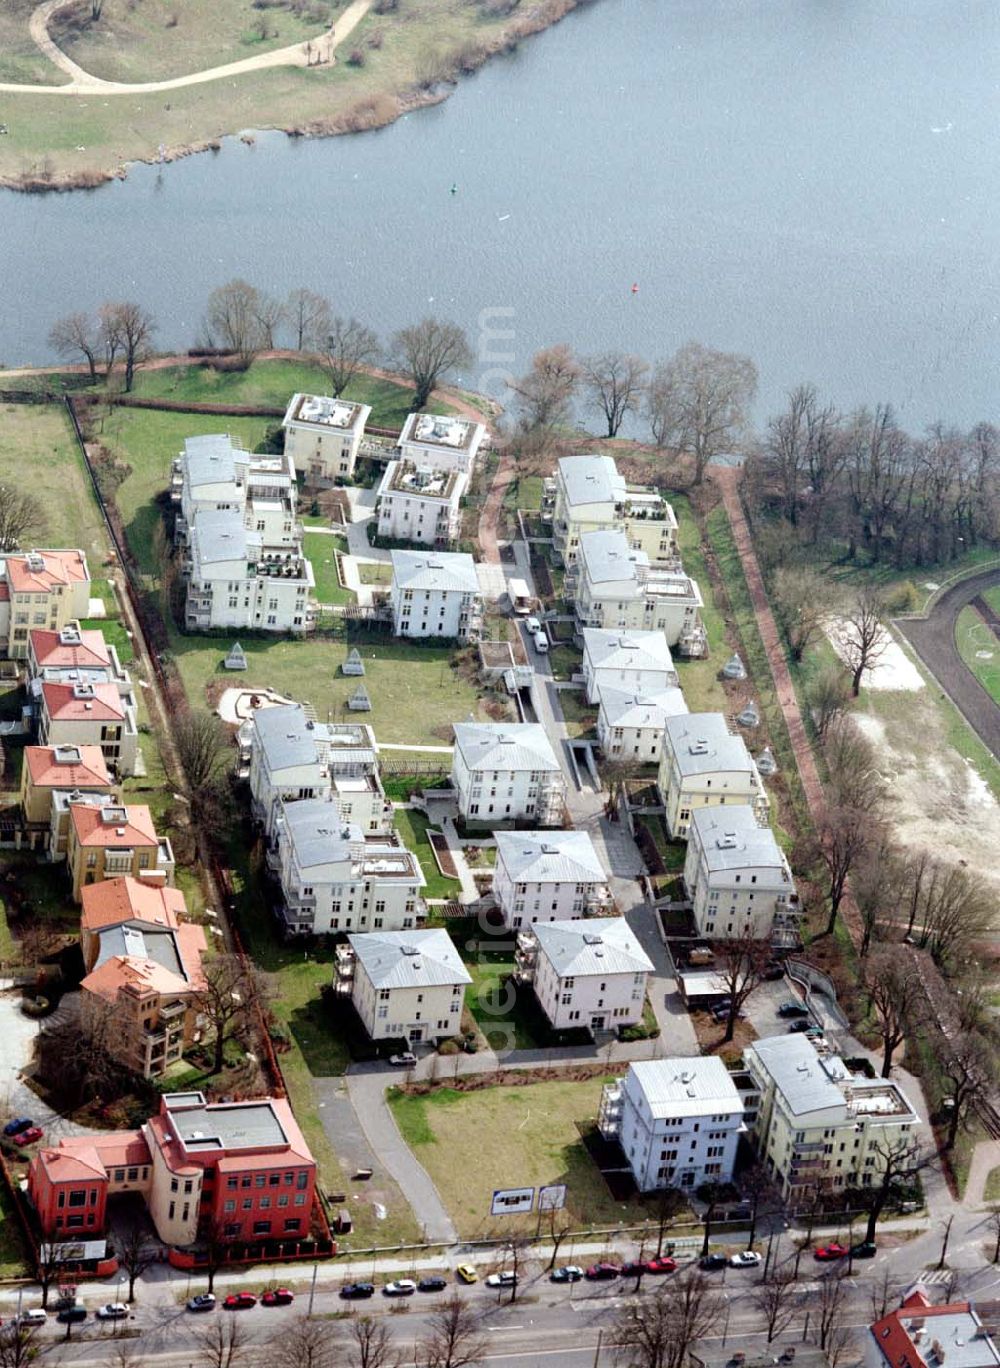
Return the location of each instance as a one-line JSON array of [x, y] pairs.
[[141, 941], [409, 959], [549, 857], [807, 1082], [591, 479], [452, 571], [597, 945], [287, 737], [703, 744], [617, 649], [608, 556], [732, 838], [505, 746], [625, 708]]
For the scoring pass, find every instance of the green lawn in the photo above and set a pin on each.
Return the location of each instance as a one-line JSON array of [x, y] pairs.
[[114, 634], [375, 572], [412, 827], [39, 451], [703, 690], [565, 661], [524, 1136], [580, 717], [672, 853], [992, 597], [416, 694], [525, 492], [321, 552], [991, 1190], [12, 1252], [980, 650]]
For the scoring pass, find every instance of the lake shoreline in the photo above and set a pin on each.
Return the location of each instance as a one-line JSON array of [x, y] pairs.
[[369, 113]]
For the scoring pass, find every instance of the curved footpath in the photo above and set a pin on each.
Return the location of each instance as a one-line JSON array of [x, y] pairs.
[[933, 639], [83, 83]]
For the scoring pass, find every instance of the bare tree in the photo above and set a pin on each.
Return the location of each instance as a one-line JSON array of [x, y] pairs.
[[855, 775], [22, 518], [427, 351], [740, 960], [953, 908], [453, 1337], [270, 313], [895, 993], [232, 320], [559, 1227], [215, 1245], [875, 886], [306, 1343], [801, 599], [831, 1306], [843, 838], [775, 1299], [898, 1160], [863, 634], [77, 335], [18, 1346], [699, 402], [110, 337], [614, 383], [880, 1293], [201, 744], [969, 1067], [827, 695], [658, 1332], [517, 1247], [371, 1345], [135, 1255], [308, 316], [545, 394], [232, 988], [347, 347], [223, 1344], [131, 327]]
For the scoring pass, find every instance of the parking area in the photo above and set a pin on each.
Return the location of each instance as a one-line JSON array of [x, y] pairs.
[[762, 1006]]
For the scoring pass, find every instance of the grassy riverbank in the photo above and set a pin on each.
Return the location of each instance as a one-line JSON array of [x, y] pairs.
[[390, 63]]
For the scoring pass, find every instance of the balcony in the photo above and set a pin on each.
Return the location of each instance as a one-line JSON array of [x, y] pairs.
[[525, 956], [171, 1010], [344, 965], [609, 1115]]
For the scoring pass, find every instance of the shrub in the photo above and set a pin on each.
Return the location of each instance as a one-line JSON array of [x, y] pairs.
[[356, 57], [385, 6], [449, 1047], [376, 39], [902, 597]]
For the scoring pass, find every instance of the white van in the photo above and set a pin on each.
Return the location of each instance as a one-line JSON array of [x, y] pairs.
[[541, 642]]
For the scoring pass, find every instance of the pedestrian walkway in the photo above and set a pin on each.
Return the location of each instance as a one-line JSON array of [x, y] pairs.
[[470, 893], [985, 1158]]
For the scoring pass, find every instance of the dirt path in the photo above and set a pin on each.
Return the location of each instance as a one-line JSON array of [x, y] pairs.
[[488, 543], [83, 83]]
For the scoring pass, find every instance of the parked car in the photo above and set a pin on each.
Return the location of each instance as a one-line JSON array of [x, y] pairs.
[[774, 971], [541, 642], [112, 1311], [401, 1287], [601, 1272], [532, 625], [20, 1123], [833, 1250], [867, 1249], [569, 1273], [801, 1025], [721, 1014], [72, 1315], [277, 1296], [204, 1301], [240, 1301], [404, 1060], [432, 1284], [746, 1258], [356, 1291], [662, 1264], [505, 1279], [467, 1273], [635, 1268], [711, 1262], [792, 1008], [30, 1136], [35, 1316]]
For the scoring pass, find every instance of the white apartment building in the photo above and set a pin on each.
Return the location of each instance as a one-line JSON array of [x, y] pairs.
[[678, 1121], [589, 974], [406, 984], [817, 1124], [592, 496], [704, 765], [617, 587], [430, 439], [333, 878], [289, 761], [323, 437], [632, 662], [356, 785], [506, 772], [555, 876], [236, 582], [435, 595], [47, 589], [736, 875], [420, 504], [630, 726]]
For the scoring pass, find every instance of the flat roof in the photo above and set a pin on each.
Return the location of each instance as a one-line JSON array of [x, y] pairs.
[[232, 1126], [591, 479], [287, 737], [323, 411], [691, 1086]]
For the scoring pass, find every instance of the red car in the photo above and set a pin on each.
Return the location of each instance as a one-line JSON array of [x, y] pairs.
[[831, 1251], [601, 1272], [277, 1296], [664, 1264], [29, 1136], [240, 1301]]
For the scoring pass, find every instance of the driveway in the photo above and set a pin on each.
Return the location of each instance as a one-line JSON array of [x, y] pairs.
[[19, 1034]]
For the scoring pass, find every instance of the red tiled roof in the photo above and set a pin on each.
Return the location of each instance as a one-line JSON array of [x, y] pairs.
[[893, 1339], [117, 1148], [72, 1161], [120, 900], [91, 830], [46, 772], [131, 971], [50, 650], [102, 703], [61, 568]]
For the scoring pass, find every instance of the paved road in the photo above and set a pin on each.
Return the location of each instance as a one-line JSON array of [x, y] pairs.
[[933, 639]]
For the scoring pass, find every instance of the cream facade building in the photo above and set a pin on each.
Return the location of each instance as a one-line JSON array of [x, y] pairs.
[[430, 439], [630, 726], [420, 504], [407, 984], [737, 876], [435, 594], [590, 974], [323, 437], [506, 772], [551, 876], [633, 662], [615, 587], [591, 496], [704, 765], [40, 589]]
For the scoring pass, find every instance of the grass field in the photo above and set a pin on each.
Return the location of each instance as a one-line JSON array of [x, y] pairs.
[[580, 717], [374, 572], [20, 59], [980, 649], [321, 551], [703, 690], [158, 39], [412, 827], [511, 1137], [415, 692], [39, 451]]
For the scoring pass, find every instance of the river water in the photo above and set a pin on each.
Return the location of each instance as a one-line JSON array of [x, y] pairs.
[[813, 182]]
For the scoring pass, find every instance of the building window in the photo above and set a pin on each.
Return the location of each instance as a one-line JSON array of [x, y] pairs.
[[262, 1227]]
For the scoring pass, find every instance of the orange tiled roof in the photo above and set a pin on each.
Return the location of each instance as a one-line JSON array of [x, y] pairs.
[[92, 830], [49, 650], [121, 900], [102, 703], [91, 772], [61, 568], [72, 1161], [129, 971]]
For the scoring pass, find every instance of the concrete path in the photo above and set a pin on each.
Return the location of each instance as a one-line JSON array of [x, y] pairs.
[[367, 1094], [470, 893], [404, 746], [985, 1158], [83, 83]]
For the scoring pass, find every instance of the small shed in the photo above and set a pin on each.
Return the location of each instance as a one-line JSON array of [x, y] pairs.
[[353, 665], [766, 762], [236, 659], [734, 668], [700, 987], [750, 716], [359, 700]]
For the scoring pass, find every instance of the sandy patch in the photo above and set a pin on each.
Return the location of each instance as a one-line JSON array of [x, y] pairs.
[[236, 705], [893, 670]]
